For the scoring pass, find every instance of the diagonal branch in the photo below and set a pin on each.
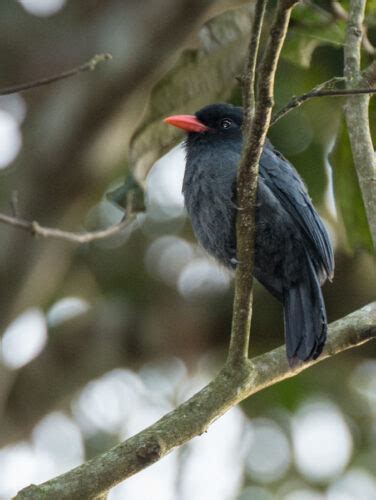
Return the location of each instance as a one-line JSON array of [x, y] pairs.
[[88, 66], [255, 130], [356, 112], [320, 90], [193, 417]]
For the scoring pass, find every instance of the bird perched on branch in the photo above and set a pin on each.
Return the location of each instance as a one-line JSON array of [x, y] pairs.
[[293, 253]]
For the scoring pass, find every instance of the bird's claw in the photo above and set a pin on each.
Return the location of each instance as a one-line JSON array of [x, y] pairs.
[[235, 261], [234, 205]]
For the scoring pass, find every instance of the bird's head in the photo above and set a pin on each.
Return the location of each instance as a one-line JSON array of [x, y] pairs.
[[222, 121]]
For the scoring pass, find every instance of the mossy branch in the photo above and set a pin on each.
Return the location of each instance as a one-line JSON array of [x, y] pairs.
[[193, 417], [357, 112]]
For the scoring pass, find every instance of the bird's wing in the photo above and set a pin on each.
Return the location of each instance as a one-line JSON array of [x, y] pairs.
[[285, 183]]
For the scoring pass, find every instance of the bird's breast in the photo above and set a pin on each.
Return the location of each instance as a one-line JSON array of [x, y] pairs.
[[209, 201]]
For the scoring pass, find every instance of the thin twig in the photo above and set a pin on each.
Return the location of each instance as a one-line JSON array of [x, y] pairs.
[[193, 417], [36, 229], [250, 69], [255, 130], [88, 66], [318, 91], [357, 115]]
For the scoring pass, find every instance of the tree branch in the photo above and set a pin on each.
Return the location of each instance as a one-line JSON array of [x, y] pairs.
[[129, 197], [88, 66], [36, 229], [254, 129], [320, 90], [250, 69], [340, 13], [193, 417], [356, 113]]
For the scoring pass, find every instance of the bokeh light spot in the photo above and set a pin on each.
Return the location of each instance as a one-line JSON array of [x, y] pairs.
[[59, 437], [104, 403], [322, 440], [15, 105], [363, 380], [20, 465], [269, 454], [356, 484], [66, 309], [202, 276], [213, 464], [164, 198], [24, 339], [42, 8], [166, 256], [10, 138]]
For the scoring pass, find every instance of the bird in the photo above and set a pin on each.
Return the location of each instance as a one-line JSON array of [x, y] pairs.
[[293, 252]]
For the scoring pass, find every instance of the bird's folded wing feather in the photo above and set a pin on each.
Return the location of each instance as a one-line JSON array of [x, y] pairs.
[[279, 175]]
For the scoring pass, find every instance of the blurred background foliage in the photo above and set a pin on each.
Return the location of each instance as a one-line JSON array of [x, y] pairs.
[[100, 340]]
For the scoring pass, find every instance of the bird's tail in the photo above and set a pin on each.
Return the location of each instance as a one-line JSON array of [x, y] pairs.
[[305, 317]]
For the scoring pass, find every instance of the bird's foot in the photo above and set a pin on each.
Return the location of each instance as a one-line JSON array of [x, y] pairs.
[[234, 205], [234, 261]]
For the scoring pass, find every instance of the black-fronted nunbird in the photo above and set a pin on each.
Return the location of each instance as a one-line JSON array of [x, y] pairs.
[[293, 253]]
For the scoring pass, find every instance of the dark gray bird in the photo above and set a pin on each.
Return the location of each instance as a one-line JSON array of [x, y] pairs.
[[293, 253]]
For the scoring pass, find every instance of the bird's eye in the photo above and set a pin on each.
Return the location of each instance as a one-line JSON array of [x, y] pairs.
[[226, 123]]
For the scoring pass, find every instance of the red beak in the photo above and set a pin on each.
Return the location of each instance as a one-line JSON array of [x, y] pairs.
[[189, 123]]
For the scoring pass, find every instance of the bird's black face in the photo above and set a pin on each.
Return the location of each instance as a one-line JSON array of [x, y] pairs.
[[222, 120]]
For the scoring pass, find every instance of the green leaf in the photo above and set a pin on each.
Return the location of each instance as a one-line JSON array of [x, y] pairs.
[[348, 196], [200, 76], [311, 29]]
